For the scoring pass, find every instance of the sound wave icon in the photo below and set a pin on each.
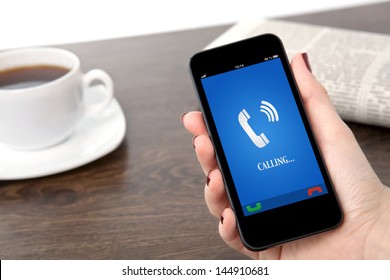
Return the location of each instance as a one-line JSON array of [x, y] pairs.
[[269, 109]]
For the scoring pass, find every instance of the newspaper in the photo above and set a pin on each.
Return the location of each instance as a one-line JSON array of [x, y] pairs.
[[353, 66]]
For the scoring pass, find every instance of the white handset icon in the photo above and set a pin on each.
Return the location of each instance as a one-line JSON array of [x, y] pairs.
[[259, 140]]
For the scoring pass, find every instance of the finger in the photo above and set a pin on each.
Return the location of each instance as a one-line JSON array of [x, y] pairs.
[[194, 123], [205, 152], [229, 233], [307, 82], [322, 114], [215, 194]]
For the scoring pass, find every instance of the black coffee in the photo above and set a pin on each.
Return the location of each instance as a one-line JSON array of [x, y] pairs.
[[30, 76]]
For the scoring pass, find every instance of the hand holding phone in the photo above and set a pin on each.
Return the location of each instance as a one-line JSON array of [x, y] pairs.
[[273, 171]]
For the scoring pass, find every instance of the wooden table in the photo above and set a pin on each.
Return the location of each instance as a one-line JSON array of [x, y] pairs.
[[145, 199]]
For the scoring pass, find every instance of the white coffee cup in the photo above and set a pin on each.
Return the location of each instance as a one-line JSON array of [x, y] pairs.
[[41, 116]]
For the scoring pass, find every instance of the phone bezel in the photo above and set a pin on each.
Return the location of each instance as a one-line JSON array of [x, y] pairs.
[[269, 228]]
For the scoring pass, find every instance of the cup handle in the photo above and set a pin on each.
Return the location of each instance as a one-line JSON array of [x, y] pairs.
[[105, 79]]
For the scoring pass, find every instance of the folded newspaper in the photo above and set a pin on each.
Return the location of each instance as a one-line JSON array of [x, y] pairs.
[[353, 66]]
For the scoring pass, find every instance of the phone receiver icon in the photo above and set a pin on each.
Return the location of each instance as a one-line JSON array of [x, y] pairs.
[[259, 140], [312, 190], [243, 117], [254, 209]]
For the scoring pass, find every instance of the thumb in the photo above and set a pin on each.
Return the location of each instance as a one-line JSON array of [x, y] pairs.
[[323, 117]]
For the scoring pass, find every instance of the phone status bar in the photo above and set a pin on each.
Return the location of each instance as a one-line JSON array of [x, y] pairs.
[[239, 66]]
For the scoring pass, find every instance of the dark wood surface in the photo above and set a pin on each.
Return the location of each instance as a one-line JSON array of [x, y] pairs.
[[145, 199]]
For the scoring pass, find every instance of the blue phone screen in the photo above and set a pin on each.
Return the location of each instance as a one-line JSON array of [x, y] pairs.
[[263, 136]]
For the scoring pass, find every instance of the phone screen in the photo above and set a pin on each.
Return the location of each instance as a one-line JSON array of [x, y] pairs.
[[265, 142]]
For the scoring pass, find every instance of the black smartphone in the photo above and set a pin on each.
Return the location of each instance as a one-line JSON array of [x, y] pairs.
[[274, 174]]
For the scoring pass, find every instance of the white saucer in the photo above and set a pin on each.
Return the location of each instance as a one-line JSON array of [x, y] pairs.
[[93, 138]]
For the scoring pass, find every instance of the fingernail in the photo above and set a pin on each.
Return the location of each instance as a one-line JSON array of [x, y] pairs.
[[222, 218], [208, 178], [182, 116], [193, 141], [306, 60]]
